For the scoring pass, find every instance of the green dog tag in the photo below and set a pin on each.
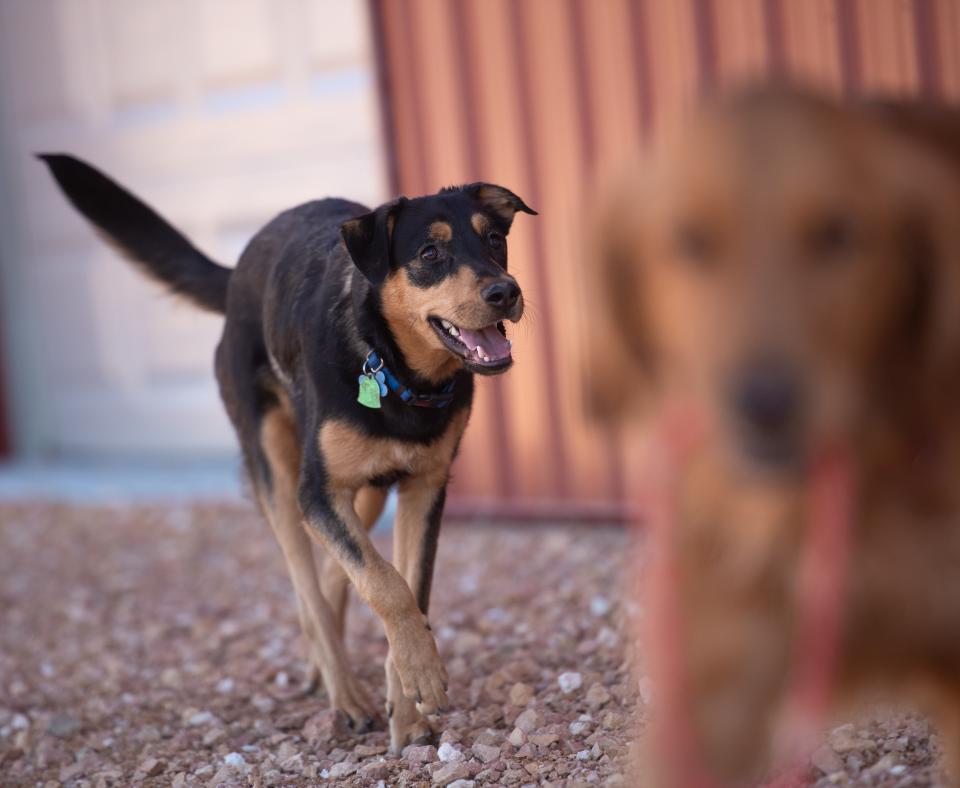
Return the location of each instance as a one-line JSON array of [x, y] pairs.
[[369, 394]]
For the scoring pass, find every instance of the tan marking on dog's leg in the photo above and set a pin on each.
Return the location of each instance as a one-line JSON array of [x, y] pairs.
[[278, 438], [334, 582], [415, 535], [413, 649]]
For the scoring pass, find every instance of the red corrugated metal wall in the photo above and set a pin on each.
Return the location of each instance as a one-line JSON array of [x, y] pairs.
[[545, 95]]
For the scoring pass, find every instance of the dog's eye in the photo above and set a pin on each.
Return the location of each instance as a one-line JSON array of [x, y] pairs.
[[831, 236], [429, 253], [695, 244], [496, 241]]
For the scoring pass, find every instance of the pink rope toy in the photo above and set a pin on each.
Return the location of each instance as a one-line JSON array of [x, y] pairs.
[[822, 574]]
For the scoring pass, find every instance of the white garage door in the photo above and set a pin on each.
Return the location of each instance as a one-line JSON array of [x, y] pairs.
[[220, 113]]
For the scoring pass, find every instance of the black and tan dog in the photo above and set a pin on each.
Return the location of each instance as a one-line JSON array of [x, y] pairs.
[[346, 366]]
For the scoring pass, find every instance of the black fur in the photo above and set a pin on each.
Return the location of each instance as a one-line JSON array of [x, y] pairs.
[[428, 551], [303, 308], [141, 234]]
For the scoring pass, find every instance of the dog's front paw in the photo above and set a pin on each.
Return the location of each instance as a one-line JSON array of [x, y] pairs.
[[407, 726], [418, 665]]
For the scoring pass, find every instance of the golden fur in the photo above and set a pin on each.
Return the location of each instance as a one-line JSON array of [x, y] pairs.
[[782, 224]]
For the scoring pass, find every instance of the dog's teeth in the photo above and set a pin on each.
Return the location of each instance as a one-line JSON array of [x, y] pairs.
[[481, 352], [509, 344], [453, 331], [446, 324]]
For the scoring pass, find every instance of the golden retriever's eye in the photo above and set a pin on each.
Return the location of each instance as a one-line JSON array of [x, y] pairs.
[[495, 241], [831, 236], [695, 244], [429, 253]]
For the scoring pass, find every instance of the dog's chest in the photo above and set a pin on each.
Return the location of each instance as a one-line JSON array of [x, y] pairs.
[[905, 588], [353, 459]]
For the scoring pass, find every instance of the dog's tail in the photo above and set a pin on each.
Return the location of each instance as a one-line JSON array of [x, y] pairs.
[[140, 233]]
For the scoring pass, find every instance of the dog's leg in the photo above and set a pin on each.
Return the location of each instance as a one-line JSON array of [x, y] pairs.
[[368, 505], [419, 509], [278, 439], [334, 522]]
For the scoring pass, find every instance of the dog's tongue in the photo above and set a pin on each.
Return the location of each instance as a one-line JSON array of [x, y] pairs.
[[494, 344]]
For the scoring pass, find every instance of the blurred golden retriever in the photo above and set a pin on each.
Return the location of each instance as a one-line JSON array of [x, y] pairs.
[[787, 273]]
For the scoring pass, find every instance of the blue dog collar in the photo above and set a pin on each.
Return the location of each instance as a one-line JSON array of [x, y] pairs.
[[373, 363]]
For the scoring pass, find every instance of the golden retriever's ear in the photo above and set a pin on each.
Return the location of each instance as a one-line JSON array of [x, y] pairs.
[[930, 189], [616, 355]]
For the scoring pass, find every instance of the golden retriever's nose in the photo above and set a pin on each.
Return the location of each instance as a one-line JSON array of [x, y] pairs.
[[766, 405], [502, 294]]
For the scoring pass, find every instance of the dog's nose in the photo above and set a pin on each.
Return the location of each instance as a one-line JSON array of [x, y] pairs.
[[766, 405], [502, 294]]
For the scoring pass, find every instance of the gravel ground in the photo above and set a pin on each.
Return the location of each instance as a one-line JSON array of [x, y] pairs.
[[160, 646]]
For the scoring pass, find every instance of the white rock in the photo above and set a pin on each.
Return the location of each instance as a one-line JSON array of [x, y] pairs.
[[201, 718], [599, 606], [446, 752], [20, 722], [569, 682], [578, 728], [234, 760], [225, 686], [281, 679], [898, 769], [263, 703], [462, 784], [607, 637], [584, 755]]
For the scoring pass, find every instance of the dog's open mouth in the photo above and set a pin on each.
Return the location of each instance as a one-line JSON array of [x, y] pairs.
[[485, 350]]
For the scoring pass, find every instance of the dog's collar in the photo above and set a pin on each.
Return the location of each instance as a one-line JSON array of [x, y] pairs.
[[373, 363]]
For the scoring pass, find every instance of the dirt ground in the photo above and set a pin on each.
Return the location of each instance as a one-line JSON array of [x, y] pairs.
[[160, 646]]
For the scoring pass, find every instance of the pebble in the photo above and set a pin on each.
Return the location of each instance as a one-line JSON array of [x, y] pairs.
[[446, 752], [425, 753], [569, 682], [200, 718], [529, 720], [462, 784], [578, 727], [343, 769], [373, 771], [450, 773], [225, 686], [521, 694], [517, 737], [599, 606], [151, 767], [62, 726], [263, 704], [597, 695], [485, 753], [234, 760]]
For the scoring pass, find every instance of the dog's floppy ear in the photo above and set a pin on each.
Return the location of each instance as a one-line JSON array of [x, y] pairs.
[[933, 251], [503, 202], [617, 358], [367, 239], [922, 358]]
